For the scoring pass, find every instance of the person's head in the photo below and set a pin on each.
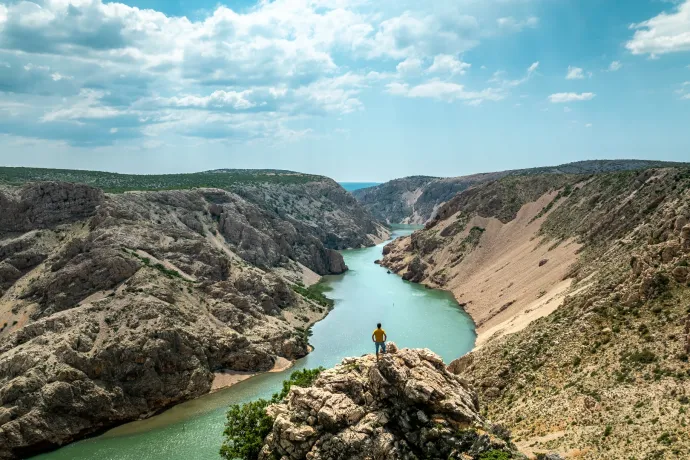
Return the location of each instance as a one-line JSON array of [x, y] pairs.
[[378, 325]]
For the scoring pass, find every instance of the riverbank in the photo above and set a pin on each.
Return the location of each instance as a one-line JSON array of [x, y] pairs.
[[502, 274], [364, 295], [226, 379]]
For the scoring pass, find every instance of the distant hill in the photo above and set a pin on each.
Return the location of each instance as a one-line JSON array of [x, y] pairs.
[[415, 199], [118, 183]]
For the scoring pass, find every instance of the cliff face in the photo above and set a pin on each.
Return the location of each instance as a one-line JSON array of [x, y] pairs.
[[579, 286], [415, 200], [405, 406], [114, 306]]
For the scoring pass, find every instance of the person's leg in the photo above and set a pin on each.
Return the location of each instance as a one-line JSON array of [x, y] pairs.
[[383, 347], [378, 345]]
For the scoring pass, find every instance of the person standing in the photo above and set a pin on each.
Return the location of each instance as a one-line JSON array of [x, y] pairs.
[[379, 337]]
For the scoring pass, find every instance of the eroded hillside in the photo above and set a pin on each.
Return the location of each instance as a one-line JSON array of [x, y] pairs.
[[114, 306], [579, 286], [415, 200]]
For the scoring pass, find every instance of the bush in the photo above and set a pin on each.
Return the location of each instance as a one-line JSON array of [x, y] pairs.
[[245, 430], [494, 455], [642, 357], [501, 432], [248, 424], [315, 293]]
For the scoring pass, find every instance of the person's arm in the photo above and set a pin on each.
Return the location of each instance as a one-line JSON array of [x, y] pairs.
[[385, 337], [372, 338]]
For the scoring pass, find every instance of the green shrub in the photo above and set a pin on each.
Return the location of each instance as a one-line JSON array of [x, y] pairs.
[[642, 357], [245, 430], [494, 455], [314, 292], [248, 424], [167, 272]]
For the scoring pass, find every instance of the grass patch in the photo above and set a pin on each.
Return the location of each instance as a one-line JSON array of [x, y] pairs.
[[314, 292], [170, 273]]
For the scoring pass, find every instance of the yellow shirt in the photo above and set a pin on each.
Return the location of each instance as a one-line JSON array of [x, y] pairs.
[[378, 335]]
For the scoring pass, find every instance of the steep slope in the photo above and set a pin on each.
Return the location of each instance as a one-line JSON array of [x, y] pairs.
[[414, 200], [115, 306], [579, 286], [405, 406]]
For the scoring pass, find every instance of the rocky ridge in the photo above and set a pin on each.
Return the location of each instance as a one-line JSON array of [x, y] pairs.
[[602, 371], [406, 406], [415, 200], [115, 306]]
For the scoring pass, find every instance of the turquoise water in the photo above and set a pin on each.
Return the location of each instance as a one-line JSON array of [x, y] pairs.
[[413, 316], [352, 186]]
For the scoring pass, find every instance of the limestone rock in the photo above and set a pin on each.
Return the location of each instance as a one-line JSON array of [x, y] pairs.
[[415, 270], [125, 304], [458, 366], [46, 204], [404, 406]]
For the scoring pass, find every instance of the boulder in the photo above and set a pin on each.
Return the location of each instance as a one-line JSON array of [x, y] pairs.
[[458, 366], [680, 274], [415, 270], [405, 406]]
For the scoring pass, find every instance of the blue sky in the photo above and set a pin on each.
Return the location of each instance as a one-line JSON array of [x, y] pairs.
[[356, 90]]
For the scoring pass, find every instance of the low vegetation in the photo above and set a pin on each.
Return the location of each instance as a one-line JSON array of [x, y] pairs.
[[119, 183], [248, 424], [314, 292]]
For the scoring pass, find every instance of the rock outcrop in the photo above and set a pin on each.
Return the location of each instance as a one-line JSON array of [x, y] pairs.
[[115, 306], [406, 406], [45, 204]]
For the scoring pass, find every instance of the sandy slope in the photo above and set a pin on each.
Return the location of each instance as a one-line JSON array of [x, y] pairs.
[[501, 283]]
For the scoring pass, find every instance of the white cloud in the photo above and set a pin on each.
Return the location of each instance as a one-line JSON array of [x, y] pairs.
[[3, 14], [575, 73], [560, 98], [218, 99], [245, 74], [397, 88], [588, 125], [666, 33], [444, 63], [410, 66], [57, 76], [513, 24], [615, 66], [683, 91], [446, 91], [498, 77]]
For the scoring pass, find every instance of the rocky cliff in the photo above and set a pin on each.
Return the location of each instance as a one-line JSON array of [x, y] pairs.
[[406, 406], [414, 200], [115, 306], [579, 287]]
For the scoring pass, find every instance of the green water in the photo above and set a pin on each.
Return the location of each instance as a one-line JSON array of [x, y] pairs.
[[411, 315]]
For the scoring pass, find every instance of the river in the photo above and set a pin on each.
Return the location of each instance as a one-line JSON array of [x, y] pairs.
[[412, 315]]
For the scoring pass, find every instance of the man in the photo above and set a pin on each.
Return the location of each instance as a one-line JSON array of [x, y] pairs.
[[379, 337]]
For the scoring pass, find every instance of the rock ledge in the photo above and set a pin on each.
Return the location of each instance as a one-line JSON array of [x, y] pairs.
[[406, 406]]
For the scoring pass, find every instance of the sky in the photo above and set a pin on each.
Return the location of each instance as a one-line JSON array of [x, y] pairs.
[[352, 89]]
